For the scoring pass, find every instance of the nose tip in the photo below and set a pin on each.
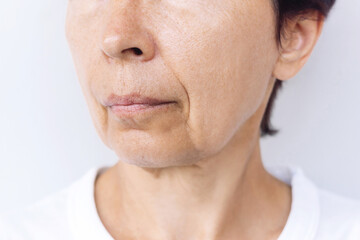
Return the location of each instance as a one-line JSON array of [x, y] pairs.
[[122, 45]]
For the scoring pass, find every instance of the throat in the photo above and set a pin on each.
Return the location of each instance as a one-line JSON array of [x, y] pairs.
[[132, 204]]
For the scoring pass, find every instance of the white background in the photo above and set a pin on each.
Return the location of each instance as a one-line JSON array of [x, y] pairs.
[[47, 139]]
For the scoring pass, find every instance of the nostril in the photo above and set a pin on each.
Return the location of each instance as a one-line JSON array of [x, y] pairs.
[[137, 51]]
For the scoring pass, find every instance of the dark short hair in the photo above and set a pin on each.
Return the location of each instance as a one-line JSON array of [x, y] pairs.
[[284, 10]]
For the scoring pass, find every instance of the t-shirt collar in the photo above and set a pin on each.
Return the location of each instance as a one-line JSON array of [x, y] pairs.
[[304, 215], [84, 220]]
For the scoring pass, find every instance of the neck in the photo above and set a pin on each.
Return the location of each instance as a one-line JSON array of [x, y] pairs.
[[227, 196]]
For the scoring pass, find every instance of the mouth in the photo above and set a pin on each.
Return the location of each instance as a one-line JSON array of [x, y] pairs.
[[134, 104], [131, 110], [134, 99]]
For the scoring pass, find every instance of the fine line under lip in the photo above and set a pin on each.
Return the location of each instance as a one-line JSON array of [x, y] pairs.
[[133, 98]]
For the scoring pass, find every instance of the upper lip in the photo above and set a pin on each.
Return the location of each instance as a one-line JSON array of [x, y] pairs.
[[133, 98]]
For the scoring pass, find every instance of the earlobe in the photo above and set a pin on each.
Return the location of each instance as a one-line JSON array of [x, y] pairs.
[[300, 36]]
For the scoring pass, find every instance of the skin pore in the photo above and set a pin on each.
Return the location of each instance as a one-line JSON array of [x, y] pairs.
[[195, 170]]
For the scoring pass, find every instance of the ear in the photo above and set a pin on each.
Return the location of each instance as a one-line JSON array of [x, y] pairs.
[[300, 36]]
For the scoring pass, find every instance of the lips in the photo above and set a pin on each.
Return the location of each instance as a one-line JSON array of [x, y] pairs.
[[132, 99], [135, 105]]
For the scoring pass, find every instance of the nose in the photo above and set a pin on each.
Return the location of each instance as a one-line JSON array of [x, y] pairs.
[[125, 37]]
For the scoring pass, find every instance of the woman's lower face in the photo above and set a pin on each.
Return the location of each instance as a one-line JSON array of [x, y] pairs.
[[211, 59]]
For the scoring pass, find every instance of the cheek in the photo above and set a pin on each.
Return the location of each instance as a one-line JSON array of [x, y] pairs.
[[83, 39], [225, 66], [80, 23]]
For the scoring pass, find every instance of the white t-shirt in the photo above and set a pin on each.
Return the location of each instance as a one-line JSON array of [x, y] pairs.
[[71, 213]]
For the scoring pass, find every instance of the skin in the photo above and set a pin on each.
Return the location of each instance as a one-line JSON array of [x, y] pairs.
[[194, 171]]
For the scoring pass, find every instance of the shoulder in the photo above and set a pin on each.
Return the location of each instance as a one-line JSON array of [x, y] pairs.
[[317, 213], [44, 219], [339, 216]]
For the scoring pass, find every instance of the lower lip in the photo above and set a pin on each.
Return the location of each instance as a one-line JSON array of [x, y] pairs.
[[135, 109]]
